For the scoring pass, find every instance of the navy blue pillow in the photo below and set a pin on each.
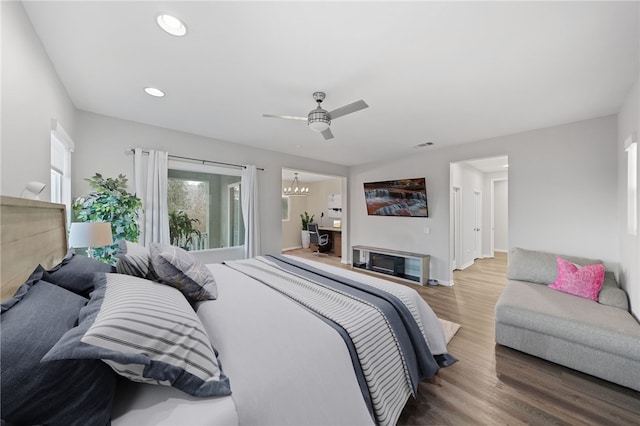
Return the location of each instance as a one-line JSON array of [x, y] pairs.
[[75, 273], [24, 288], [66, 392]]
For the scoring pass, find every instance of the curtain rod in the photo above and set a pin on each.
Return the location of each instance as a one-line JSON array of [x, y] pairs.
[[197, 160]]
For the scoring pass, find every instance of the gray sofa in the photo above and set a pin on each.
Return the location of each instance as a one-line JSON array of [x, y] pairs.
[[598, 338]]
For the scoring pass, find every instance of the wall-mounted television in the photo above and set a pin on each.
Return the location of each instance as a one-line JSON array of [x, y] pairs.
[[401, 197]]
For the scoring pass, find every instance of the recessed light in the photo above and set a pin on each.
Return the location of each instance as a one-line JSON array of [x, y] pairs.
[[172, 25], [154, 92]]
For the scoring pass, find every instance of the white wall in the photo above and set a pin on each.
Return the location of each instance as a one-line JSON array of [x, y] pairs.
[[318, 201], [562, 194], [291, 229], [500, 217], [103, 144], [628, 123], [32, 95]]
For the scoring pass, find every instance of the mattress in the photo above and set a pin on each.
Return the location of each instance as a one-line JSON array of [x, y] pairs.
[[143, 404]]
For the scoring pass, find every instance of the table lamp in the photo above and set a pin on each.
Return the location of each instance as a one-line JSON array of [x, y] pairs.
[[90, 234], [33, 189]]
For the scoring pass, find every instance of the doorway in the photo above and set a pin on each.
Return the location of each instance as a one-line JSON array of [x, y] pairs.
[[478, 209], [325, 202]]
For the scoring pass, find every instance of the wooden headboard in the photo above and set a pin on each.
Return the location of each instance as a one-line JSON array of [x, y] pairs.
[[31, 233]]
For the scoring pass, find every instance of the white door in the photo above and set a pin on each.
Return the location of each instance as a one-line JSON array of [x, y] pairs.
[[477, 222], [456, 262]]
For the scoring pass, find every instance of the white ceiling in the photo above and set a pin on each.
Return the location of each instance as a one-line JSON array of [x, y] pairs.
[[446, 72]]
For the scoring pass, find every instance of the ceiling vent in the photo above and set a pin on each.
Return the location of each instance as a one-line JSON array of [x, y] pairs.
[[422, 145]]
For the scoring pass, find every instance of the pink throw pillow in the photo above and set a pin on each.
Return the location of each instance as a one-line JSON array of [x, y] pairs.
[[583, 281]]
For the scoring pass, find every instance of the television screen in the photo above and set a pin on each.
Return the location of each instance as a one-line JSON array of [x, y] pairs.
[[402, 197]]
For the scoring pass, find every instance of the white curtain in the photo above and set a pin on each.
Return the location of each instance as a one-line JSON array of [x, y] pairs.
[[150, 174], [250, 211]]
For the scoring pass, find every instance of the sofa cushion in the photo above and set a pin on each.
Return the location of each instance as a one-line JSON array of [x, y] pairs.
[[537, 266], [543, 310], [611, 294]]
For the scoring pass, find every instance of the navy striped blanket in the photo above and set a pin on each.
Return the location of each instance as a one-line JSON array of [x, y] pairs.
[[385, 338]]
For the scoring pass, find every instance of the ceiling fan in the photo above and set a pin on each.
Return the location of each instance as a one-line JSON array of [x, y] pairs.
[[319, 119]]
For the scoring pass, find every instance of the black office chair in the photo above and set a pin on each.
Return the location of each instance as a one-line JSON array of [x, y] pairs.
[[320, 240]]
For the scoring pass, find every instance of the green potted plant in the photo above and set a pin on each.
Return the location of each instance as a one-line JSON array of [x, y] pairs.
[[181, 230], [306, 220], [110, 202]]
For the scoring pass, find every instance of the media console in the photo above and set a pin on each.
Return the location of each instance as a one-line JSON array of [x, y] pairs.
[[412, 267]]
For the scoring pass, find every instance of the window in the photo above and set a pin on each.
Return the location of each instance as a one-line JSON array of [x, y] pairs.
[[56, 186], [285, 208], [210, 198], [61, 149], [632, 185]]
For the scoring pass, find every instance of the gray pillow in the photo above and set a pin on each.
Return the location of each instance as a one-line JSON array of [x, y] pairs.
[[69, 392], [176, 267], [612, 295], [21, 292], [538, 266], [75, 273], [146, 332]]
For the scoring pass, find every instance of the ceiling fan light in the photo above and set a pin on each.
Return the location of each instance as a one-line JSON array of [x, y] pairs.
[[318, 120], [318, 126], [295, 188]]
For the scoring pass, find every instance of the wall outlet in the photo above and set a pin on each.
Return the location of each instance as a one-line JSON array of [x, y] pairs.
[[427, 230]]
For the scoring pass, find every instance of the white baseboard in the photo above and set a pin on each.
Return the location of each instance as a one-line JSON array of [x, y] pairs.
[[466, 265], [291, 248]]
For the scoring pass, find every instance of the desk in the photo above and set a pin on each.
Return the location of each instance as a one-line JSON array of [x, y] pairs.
[[335, 236]]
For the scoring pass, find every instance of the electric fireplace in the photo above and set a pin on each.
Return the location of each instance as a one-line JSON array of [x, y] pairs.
[[392, 265]]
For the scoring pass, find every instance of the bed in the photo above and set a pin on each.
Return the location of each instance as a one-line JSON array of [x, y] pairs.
[[295, 341]]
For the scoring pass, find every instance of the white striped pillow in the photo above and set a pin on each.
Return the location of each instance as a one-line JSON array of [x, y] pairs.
[[134, 259], [148, 333]]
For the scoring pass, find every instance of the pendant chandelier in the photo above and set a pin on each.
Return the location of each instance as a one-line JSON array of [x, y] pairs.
[[295, 188]]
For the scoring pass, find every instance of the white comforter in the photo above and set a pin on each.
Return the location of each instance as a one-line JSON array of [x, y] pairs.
[[286, 366]]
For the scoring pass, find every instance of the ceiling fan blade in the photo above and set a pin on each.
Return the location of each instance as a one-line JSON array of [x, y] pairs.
[[286, 117], [327, 134], [348, 109]]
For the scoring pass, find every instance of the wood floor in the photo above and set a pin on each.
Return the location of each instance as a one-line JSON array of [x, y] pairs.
[[495, 385]]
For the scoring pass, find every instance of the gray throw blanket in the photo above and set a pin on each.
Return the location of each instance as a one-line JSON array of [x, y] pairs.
[[388, 348]]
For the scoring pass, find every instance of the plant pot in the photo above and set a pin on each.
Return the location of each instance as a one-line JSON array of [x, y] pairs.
[[305, 239]]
